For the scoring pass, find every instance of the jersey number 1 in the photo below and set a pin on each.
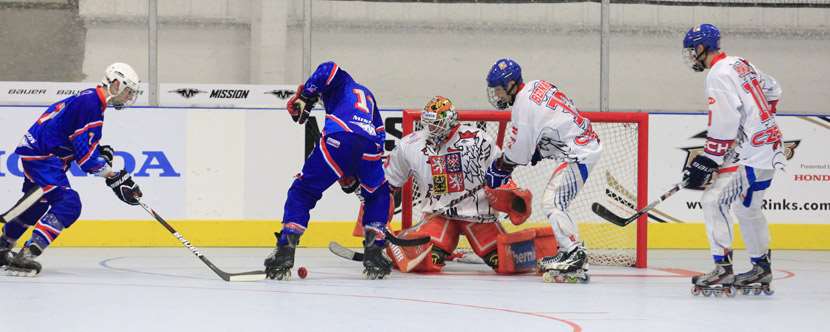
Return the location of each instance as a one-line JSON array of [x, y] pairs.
[[362, 103], [754, 89]]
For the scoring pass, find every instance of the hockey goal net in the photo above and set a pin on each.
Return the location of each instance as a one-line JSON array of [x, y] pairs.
[[618, 181]]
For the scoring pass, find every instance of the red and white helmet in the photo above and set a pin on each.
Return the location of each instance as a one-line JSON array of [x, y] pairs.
[[128, 88]]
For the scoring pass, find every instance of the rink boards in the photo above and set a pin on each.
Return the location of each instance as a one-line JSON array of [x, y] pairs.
[[221, 176]]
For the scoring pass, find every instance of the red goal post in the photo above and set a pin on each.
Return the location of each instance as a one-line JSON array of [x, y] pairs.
[[619, 132]]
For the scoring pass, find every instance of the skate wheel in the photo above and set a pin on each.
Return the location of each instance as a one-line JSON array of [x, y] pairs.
[[745, 290], [707, 292], [756, 291], [730, 291], [547, 277], [695, 291], [586, 279], [768, 291]]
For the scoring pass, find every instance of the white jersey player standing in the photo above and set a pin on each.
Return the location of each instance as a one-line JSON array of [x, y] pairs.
[[743, 147], [546, 124]]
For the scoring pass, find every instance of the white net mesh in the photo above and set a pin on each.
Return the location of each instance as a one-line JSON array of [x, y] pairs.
[[612, 183]]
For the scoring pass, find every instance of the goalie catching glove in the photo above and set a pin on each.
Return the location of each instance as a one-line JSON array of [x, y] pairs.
[[299, 106], [511, 199], [125, 189]]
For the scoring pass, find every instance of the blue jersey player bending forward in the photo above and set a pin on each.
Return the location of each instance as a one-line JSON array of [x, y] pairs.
[[68, 131], [350, 149]]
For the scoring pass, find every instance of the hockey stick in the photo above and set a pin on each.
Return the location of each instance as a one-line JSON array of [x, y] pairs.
[[344, 252], [455, 201], [243, 276], [27, 201], [622, 222], [404, 242]]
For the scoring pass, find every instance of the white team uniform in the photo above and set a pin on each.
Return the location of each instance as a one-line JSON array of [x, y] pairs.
[[543, 118], [745, 140], [444, 175]]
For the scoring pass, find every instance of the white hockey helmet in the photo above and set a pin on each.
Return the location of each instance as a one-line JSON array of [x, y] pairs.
[[128, 88]]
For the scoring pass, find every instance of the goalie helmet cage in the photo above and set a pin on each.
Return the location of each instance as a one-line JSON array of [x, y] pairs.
[[612, 182]]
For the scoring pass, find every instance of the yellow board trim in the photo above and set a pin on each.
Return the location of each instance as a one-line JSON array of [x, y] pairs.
[[236, 233]]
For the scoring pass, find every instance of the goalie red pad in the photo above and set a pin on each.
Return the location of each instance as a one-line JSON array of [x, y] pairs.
[[518, 252], [511, 199], [405, 259]]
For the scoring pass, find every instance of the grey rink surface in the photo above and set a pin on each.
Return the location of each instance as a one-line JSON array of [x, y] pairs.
[[143, 289]]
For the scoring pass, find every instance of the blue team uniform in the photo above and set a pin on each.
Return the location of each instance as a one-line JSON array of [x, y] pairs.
[[68, 131], [351, 146]]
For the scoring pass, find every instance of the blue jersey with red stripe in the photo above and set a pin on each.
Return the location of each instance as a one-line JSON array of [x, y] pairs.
[[350, 106], [70, 130]]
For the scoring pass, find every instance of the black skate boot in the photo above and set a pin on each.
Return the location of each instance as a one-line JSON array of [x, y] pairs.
[[566, 267], [6, 254], [757, 279], [718, 282], [278, 264], [375, 264], [23, 264]]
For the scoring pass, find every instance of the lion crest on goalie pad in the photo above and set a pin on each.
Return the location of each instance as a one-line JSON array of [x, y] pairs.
[[510, 199]]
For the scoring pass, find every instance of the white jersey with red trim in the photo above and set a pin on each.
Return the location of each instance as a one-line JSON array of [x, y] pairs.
[[457, 167], [545, 119], [742, 127]]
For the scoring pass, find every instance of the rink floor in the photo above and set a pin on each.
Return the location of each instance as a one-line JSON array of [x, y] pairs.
[[170, 290]]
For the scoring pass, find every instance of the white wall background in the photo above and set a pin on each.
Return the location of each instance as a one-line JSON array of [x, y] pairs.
[[407, 52]]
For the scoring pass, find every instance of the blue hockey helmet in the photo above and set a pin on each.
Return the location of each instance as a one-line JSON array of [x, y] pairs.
[[501, 74], [705, 34]]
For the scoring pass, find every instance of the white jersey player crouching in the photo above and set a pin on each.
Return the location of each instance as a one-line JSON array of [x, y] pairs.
[[546, 124], [743, 147], [448, 160]]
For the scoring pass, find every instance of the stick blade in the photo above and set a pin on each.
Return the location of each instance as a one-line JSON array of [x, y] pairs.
[[405, 242], [344, 252], [608, 215], [246, 276]]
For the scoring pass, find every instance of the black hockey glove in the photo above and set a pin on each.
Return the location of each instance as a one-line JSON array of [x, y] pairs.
[[349, 184], [699, 172], [106, 152], [537, 157], [125, 189], [299, 106]]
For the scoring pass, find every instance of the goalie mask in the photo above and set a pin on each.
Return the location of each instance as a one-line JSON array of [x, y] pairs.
[[126, 91], [439, 118]]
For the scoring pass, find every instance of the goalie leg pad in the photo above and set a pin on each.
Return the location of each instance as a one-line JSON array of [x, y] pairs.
[[483, 237], [510, 199], [518, 252], [545, 242], [444, 232], [429, 257]]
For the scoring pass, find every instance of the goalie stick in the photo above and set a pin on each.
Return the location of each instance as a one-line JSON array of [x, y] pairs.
[[243, 276], [622, 222]]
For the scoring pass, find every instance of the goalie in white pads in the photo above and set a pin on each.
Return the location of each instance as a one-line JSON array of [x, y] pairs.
[[448, 160], [546, 124], [743, 147]]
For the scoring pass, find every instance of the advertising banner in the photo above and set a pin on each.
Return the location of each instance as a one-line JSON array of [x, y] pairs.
[[800, 194]]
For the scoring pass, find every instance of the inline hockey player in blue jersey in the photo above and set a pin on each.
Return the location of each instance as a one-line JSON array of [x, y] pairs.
[[69, 130], [349, 151]]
